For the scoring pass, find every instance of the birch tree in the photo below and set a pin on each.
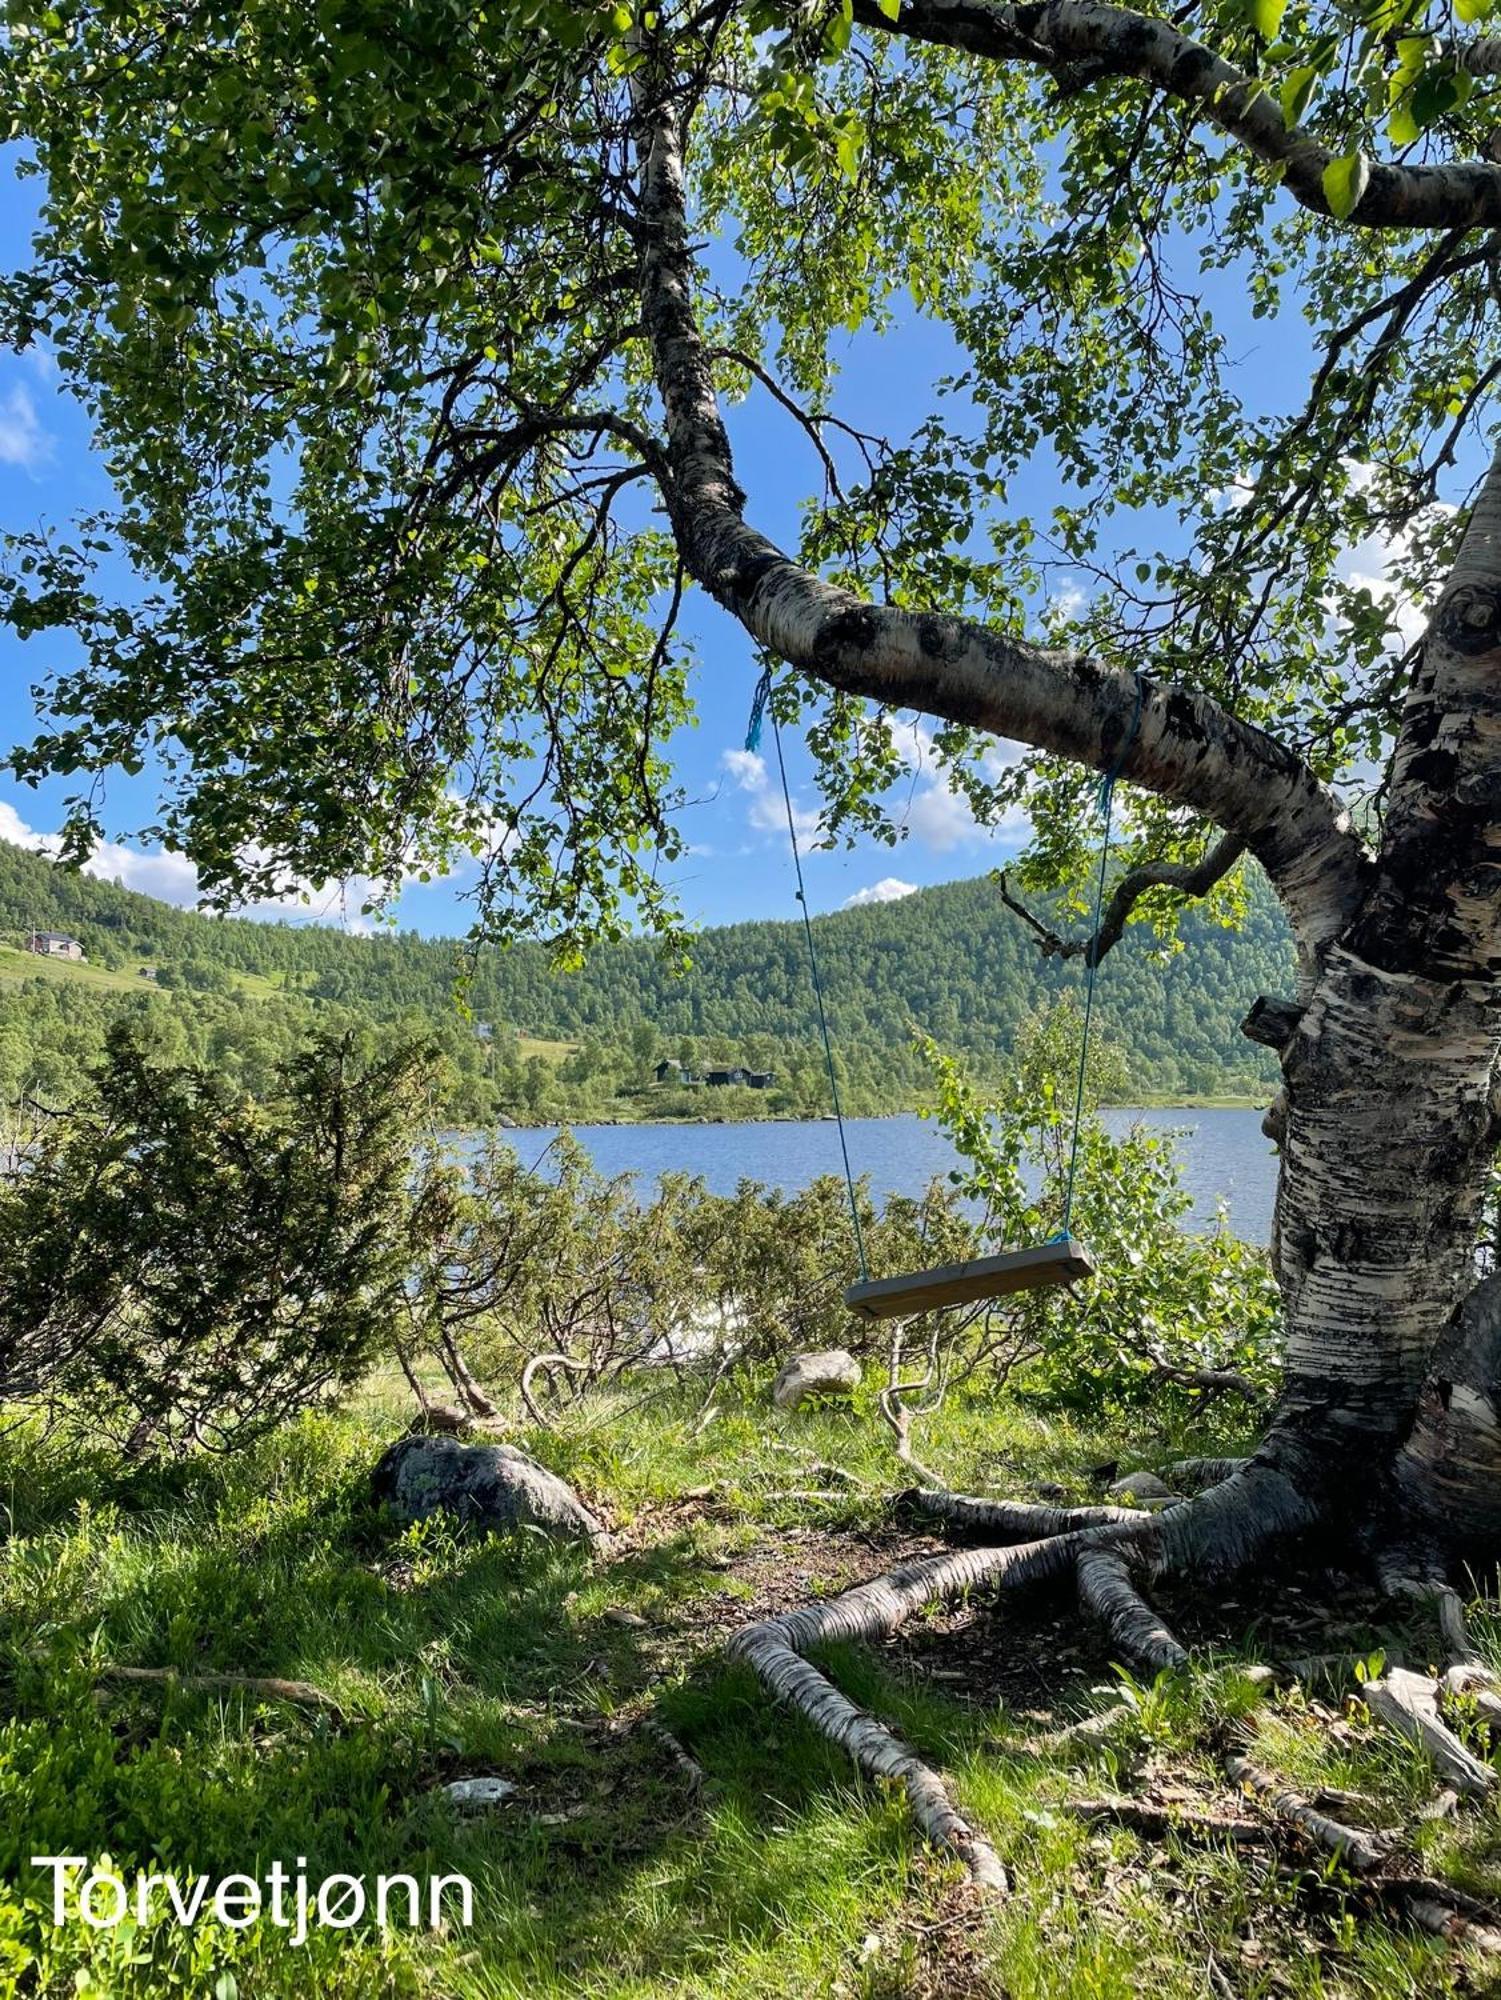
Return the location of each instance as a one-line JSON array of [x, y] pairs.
[[408, 334]]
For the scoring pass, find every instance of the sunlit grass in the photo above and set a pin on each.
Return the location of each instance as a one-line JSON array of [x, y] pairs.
[[608, 1877]]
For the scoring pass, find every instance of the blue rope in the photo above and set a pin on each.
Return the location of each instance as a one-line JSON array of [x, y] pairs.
[[1105, 804], [753, 742]]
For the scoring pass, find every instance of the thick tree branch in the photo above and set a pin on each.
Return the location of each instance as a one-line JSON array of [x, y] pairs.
[[1190, 879], [1063, 34], [1184, 745]]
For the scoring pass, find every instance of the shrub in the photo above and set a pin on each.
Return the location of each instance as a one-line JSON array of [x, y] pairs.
[[200, 1266]]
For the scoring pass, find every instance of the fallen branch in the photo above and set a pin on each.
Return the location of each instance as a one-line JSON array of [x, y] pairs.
[[1155, 1822], [302, 1694]]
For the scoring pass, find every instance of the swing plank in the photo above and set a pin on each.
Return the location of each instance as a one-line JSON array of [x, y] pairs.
[[1059, 1263]]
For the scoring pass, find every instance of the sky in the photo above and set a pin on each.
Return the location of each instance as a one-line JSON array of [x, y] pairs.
[[738, 864]]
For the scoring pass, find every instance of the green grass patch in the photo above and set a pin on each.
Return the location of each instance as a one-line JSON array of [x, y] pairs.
[[606, 1876]]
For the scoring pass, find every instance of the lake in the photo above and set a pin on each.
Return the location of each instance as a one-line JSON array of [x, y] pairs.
[[1224, 1155]]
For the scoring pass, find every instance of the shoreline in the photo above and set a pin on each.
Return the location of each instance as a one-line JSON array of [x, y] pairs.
[[507, 1123]]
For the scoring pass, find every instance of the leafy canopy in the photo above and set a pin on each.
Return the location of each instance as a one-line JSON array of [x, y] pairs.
[[350, 291]]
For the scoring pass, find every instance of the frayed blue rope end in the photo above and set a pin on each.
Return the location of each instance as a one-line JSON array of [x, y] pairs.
[[758, 713]]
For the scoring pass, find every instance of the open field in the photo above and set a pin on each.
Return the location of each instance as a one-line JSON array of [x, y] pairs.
[[614, 1872]]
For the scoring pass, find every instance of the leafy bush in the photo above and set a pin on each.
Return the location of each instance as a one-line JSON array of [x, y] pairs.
[[1168, 1311], [201, 1266]]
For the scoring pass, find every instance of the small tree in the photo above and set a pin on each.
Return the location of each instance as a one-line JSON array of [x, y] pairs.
[[202, 1266]]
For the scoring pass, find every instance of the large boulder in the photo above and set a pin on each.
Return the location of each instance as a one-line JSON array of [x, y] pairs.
[[831, 1372], [484, 1485]]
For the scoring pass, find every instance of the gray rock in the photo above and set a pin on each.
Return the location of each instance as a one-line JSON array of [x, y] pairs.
[[831, 1372], [479, 1794], [486, 1485], [1140, 1486]]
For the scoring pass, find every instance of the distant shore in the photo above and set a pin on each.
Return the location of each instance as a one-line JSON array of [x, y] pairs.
[[1146, 1101]]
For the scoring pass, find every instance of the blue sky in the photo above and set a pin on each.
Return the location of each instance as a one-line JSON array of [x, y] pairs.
[[738, 865]]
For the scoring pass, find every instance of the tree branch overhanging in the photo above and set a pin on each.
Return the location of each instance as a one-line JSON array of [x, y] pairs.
[[1063, 35], [1190, 879], [1185, 746]]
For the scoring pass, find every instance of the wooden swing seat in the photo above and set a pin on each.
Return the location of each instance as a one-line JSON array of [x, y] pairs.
[[1062, 1262]]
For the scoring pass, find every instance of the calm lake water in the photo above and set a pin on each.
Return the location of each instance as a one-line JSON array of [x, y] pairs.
[[1224, 1155]]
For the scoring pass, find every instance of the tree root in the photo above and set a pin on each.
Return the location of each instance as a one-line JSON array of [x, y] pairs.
[[687, 1767], [775, 1649], [1154, 1822], [1005, 1522], [1408, 1703], [1193, 1475], [1361, 1852], [1106, 1589], [529, 1373], [1109, 1552]]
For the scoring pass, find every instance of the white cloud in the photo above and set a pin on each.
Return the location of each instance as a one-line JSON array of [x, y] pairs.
[[23, 440], [888, 890], [1066, 604], [937, 814], [768, 810], [1369, 564], [172, 878]]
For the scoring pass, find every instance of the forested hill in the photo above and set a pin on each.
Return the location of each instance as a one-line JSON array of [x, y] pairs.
[[950, 959]]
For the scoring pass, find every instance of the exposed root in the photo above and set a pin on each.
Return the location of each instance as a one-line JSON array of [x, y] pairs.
[[1085, 1734], [1010, 1521], [1154, 1822], [1360, 1852], [688, 1768], [1240, 1510], [300, 1694], [775, 1649], [1193, 1475], [1408, 1703], [1106, 1589], [1447, 1912], [1465, 1672], [1225, 1528]]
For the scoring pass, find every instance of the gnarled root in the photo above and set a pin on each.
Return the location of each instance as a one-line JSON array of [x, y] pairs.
[[1106, 1589], [1110, 1552], [1005, 1522], [533, 1368], [1361, 1852], [776, 1648]]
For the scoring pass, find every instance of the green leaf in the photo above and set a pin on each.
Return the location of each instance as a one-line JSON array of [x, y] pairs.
[[1298, 87], [1473, 10], [1266, 17], [1344, 183], [1401, 126], [890, 8]]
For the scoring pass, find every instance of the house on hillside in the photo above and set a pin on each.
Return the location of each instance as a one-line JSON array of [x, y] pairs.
[[760, 1079], [55, 944], [718, 1078], [148, 972]]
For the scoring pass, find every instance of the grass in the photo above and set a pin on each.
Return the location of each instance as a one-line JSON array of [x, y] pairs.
[[606, 1878], [16, 965]]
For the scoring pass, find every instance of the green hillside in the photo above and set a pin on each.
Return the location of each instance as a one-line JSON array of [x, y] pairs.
[[240, 994]]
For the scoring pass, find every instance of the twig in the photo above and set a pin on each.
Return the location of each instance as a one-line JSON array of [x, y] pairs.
[[302, 1694]]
